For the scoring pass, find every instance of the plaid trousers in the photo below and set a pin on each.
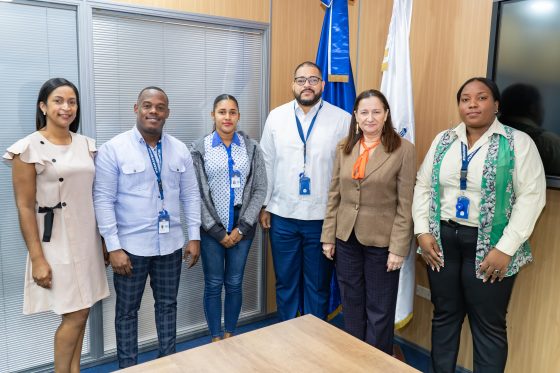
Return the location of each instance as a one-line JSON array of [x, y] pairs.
[[164, 272]]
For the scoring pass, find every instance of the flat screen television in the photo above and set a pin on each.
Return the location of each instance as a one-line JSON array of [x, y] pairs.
[[524, 60]]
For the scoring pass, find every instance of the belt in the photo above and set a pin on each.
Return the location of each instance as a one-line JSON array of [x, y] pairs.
[[49, 218], [453, 224]]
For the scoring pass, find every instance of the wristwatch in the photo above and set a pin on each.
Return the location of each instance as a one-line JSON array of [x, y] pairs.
[[239, 231]]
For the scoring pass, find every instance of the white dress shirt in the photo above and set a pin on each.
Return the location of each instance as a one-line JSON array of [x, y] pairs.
[[283, 154], [529, 184], [126, 195]]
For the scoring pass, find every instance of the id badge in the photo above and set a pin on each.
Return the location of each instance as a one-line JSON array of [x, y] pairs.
[[236, 180], [163, 222], [462, 207], [304, 185]]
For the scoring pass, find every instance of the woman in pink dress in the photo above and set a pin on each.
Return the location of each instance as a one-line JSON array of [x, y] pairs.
[[52, 172]]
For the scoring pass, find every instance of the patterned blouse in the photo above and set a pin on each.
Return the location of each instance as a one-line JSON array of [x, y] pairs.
[[221, 163]]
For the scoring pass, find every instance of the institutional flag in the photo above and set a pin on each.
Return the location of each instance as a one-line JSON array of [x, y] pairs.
[[333, 57], [396, 85]]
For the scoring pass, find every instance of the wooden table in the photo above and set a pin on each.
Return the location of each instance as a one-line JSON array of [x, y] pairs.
[[304, 344]]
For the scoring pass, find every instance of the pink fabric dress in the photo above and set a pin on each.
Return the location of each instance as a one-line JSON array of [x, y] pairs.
[[65, 175]]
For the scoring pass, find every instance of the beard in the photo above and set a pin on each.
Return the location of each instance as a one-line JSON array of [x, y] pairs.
[[309, 102], [145, 129]]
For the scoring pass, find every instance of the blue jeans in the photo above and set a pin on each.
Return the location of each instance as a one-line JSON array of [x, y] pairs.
[[222, 268]]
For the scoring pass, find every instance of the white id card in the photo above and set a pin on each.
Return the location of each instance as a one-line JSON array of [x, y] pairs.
[[163, 226], [236, 180], [163, 222]]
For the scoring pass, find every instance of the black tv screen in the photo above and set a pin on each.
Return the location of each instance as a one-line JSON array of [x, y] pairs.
[[524, 60]]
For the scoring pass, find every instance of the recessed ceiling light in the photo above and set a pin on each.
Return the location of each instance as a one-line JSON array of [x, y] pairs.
[[542, 6]]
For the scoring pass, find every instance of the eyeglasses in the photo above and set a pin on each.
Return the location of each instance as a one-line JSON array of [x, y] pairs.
[[313, 80]]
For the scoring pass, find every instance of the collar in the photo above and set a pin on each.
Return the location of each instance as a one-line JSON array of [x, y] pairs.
[[312, 111], [217, 140], [495, 127], [138, 136]]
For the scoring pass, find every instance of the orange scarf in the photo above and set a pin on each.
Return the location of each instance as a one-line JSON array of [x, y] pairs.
[[359, 169]]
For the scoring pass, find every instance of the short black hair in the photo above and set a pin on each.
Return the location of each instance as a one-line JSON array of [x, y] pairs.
[[308, 63], [493, 87], [152, 87], [48, 87]]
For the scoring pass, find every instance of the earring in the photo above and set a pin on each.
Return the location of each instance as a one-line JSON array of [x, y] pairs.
[[357, 128], [496, 112], [44, 113]]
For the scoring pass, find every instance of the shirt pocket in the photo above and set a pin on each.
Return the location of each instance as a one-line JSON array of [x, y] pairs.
[[176, 171], [133, 176]]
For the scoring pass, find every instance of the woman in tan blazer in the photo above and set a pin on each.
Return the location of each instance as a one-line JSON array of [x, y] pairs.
[[369, 219]]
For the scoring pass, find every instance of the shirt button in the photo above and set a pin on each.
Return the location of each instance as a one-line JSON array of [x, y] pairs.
[[63, 204], [357, 207], [42, 142], [61, 179], [54, 160], [134, 170]]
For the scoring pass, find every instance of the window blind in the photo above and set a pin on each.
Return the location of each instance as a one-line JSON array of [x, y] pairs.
[[37, 42], [193, 62]]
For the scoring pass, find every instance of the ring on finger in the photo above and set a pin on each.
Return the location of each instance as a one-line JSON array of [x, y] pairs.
[[496, 272]]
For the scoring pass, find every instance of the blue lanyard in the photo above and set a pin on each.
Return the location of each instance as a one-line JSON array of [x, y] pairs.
[[156, 166], [231, 189], [465, 160], [305, 138]]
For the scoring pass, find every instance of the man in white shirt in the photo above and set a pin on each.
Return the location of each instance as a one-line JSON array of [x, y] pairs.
[[298, 145]]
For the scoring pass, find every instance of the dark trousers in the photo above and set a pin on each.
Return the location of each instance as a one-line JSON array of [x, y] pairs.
[[368, 292], [300, 267], [457, 292], [164, 272]]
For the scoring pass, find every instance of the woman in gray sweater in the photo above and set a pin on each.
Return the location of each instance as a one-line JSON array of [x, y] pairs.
[[232, 179]]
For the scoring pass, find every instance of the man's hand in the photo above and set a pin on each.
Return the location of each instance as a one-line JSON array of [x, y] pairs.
[[120, 262], [264, 219], [192, 253]]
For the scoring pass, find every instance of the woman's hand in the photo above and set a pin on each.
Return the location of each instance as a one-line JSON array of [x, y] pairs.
[[41, 272], [105, 253], [494, 266], [431, 252], [227, 242], [394, 262], [235, 236], [328, 250]]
